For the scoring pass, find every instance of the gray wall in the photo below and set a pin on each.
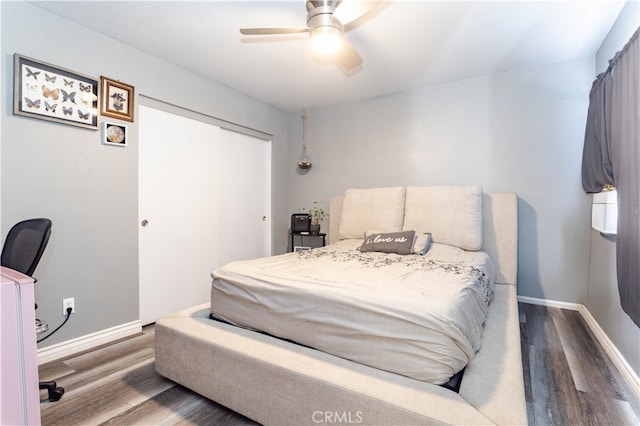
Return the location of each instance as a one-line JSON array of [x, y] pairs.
[[603, 299], [514, 132], [90, 190]]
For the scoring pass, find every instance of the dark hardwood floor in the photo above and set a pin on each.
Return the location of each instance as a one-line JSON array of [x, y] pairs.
[[569, 380]]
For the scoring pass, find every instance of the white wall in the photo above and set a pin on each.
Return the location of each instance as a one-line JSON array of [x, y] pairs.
[[603, 299], [518, 132], [89, 190]]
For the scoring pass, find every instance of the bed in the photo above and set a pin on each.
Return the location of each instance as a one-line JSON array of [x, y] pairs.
[[352, 345]]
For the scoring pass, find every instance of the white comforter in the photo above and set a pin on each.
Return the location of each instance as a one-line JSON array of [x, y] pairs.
[[419, 316]]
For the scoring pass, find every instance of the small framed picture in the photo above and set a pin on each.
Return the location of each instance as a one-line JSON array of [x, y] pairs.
[[117, 99], [114, 134], [301, 248], [49, 92]]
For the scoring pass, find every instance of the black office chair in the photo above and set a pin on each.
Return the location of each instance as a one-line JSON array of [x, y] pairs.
[[22, 251]]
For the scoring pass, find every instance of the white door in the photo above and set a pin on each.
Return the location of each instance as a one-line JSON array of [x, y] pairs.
[[187, 176], [178, 200], [245, 167]]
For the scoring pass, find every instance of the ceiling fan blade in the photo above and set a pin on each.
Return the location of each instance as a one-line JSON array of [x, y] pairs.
[[275, 30], [349, 56], [350, 10]]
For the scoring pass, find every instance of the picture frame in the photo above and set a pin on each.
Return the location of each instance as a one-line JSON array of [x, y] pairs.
[[52, 93], [114, 134], [117, 99]]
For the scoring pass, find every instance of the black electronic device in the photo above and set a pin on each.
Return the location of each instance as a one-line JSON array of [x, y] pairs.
[[300, 222]]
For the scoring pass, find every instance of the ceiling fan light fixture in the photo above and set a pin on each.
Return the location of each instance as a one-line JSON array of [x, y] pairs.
[[326, 40], [326, 20]]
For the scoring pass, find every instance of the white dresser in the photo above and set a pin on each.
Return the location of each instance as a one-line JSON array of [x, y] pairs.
[[19, 393]]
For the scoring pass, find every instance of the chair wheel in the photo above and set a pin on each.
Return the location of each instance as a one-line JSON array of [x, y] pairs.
[[54, 391], [56, 394]]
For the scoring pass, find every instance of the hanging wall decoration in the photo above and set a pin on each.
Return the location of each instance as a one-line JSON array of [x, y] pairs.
[[51, 93], [304, 162], [114, 134], [117, 99]]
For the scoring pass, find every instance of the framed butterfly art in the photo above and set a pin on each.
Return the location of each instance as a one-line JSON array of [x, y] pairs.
[[49, 92], [117, 99]]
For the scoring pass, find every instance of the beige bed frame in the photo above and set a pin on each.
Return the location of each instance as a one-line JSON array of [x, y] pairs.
[[280, 383]]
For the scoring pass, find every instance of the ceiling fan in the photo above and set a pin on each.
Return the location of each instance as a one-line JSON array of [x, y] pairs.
[[327, 21]]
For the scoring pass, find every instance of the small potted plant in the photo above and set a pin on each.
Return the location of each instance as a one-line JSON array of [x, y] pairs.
[[316, 215]]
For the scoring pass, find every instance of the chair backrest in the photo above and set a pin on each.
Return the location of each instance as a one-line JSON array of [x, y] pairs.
[[25, 244]]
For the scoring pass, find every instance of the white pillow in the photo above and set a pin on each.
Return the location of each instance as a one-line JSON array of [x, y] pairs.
[[374, 208], [452, 214], [422, 243]]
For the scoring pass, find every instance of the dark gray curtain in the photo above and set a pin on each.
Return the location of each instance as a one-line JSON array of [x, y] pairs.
[[612, 156], [596, 161], [625, 156]]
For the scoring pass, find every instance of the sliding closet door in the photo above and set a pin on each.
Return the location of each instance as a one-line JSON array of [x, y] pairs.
[[178, 211], [245, 170]]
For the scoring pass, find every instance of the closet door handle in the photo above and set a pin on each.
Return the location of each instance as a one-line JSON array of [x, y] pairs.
[[144, 222]]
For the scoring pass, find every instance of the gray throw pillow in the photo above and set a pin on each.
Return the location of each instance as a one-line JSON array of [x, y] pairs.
[[390, 242]]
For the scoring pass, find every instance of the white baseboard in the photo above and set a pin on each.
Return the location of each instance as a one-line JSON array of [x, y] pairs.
[[79, 344], [549, 303], [617, 358]]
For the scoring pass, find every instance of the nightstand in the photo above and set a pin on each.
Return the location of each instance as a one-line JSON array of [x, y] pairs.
[[304, 239]]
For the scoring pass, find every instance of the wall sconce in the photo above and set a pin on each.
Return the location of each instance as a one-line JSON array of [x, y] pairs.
[[304, 162]]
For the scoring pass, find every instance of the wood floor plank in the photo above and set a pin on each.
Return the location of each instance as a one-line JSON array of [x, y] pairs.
[[87, 408], [546, 367], [574, 345], [210, 413], [599, 410], [627, 413], [107, 353], [108, 398], [53, 371], [143, 383], [541, 331], [103, 373], [572, 379], [178, 406], [600, 375], [524, 350], [167, 407], [547, 389]]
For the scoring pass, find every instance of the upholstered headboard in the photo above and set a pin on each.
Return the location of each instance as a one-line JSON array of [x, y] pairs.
[[500, 231]]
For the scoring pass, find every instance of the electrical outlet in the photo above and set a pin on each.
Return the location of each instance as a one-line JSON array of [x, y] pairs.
[[68, 303]]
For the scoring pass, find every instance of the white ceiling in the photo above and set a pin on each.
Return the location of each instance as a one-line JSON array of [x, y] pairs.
[[404, 44]]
